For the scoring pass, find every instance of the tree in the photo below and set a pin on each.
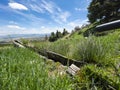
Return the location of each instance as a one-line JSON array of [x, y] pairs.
[[104, 10], [58, 34], [52, 37], [77, 28], [65, 32], [55, 36]]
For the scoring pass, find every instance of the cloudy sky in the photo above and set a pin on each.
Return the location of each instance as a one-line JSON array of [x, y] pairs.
[[41, 16]]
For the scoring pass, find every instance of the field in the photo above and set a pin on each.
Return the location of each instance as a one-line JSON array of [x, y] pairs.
[[23, 69], [92, 48], [101, 52]]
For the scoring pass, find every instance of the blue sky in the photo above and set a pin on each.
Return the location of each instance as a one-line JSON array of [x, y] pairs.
[[41, 16]]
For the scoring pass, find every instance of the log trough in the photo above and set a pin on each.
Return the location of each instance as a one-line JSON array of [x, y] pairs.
[[54, 56], [108, 26], [73, 64]]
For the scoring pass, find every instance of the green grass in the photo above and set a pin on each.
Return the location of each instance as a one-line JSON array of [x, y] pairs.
[[22, 69], [105, 77], [101, 53], [92, 49], [2, 46], [97, 78]]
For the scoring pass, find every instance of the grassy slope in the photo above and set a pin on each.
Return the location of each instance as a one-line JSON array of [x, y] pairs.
[[22, 69], [103, 50], [105, 75], [69, 47]]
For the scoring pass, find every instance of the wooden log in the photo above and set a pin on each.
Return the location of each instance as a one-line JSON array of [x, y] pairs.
[[17, 41], [108, 26], [63, 60], [18, 44], [57, 57]]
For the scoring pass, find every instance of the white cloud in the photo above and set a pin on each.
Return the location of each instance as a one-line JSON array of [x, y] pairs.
[[32, 19], [80, 9], [64, 16], [18, 6], [61, 17], [49, 7], [51, 29], [12, 22], [77, 22], [29, 19], [36, 7], [42, 27], [15, 27], [12, 29], [88, 1], [57, 14]]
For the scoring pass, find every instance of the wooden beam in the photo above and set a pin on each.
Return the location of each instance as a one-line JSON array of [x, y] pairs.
[[108, 26], [16, 44]]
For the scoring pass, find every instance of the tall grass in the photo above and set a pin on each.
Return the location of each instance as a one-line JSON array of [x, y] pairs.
[[22, 69], [61, 47], [98, 77], [96, 49], [91, 49]]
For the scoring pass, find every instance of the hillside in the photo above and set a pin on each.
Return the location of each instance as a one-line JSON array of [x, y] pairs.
[[60, 45], [101, 51]]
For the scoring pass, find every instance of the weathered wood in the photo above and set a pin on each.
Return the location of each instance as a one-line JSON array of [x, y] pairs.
[[72, 70], [17, 41], [108, 26], [16, 44], [63, 60], [57, 57]]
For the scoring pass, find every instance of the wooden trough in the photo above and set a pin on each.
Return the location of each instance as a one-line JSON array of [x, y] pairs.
[[73, 64], [108, 26], [57, 57], [63, 60]]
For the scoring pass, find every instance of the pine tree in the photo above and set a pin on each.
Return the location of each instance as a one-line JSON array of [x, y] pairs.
[[65, 32], [104, 10]]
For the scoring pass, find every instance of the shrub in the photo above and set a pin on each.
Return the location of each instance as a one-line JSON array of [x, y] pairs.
[[94, 50]]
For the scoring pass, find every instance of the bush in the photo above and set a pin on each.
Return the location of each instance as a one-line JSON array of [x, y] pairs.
[[94, 50]]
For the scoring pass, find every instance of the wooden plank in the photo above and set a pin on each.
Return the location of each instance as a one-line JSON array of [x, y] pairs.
[[108, 26], [72, 70], [63, 60], [57, 57]]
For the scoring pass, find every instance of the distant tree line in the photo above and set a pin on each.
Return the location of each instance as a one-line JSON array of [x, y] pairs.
[[104, 10], [55, 36]]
